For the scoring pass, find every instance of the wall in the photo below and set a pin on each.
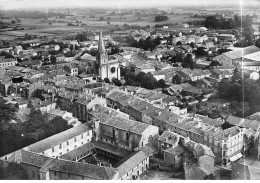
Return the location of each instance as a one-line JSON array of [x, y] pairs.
[[87, 136]]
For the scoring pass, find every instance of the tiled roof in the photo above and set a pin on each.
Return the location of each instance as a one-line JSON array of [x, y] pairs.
[[112, 149], [57, 139], [127, 125], [78, 151], [241, 122], [33, 158], [83, 169], [131, 163], [223, 134], [103, 113], [175, 150], [240, 53], [169, 138], [202, 150]]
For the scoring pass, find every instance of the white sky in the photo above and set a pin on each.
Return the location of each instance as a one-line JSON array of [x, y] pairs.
[[21, 4]]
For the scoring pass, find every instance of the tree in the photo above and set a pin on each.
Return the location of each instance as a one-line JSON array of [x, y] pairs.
[[200, 52], [115, 50], [13, 22], [236, 77], [192, 44], [7, 111], [179, 43], [116, 82], [161, 83], [176, 79], [160, 18], [56, 125], [257, 43], [188, 62], [66, 68], [177, 58], [107, 80], [53, 59]]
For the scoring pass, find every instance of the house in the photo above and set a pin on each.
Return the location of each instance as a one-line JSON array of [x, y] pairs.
[[245, 169], [252, 66], [44, 106], [65, 115], [235, 57], [134, 166], [201, 165], [251, 74], [18, 49], [220, 74], [124, 133], [40, 167], [7, 62], [63, 142]]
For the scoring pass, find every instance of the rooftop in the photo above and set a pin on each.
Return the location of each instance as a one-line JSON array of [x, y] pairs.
[[127, 125], [131, 163], [83, 169], [57, 139]]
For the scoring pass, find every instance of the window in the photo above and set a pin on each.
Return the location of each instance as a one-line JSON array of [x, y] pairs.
[[69, 175], [224, 153], [68, 150], [53, 149], [55, 173], [75, 139], [82, 143], [5, 158], [68, 143], [75, 146], [33, 175], [60, 146], [60, 153], [81, 136]]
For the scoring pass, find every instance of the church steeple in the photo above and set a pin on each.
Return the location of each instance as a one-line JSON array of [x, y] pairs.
[[101, 45]]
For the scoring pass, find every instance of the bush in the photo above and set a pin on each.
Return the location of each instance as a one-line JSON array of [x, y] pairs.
[[160, 18]]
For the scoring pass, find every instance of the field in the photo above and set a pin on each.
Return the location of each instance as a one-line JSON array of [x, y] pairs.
[[60, 26]]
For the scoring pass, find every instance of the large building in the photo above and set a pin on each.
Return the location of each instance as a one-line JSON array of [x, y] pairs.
[[106, 67]]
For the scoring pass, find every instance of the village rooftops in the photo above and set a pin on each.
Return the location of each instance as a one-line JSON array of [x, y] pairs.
[[169, 138], [28, 157], [127, 125], [131, 163], [112, 149], [56, 139], [103, 113], [82, 169], [71, 155], [246, 123], [223, 134], [175, 150], [239, 53]]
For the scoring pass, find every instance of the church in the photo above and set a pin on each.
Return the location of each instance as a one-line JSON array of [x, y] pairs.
[[105, 67]]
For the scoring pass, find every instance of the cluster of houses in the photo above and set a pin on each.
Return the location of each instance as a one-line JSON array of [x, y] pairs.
[[121, 132]]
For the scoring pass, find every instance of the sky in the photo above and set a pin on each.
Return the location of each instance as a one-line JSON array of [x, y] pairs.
[[119, 4]]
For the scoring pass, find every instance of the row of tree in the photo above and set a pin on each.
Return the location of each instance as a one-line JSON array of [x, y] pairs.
[[14, 136], [241, 90], [145, 80]]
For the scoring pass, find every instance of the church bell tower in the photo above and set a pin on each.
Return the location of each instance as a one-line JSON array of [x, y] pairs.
[[101, 56]]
